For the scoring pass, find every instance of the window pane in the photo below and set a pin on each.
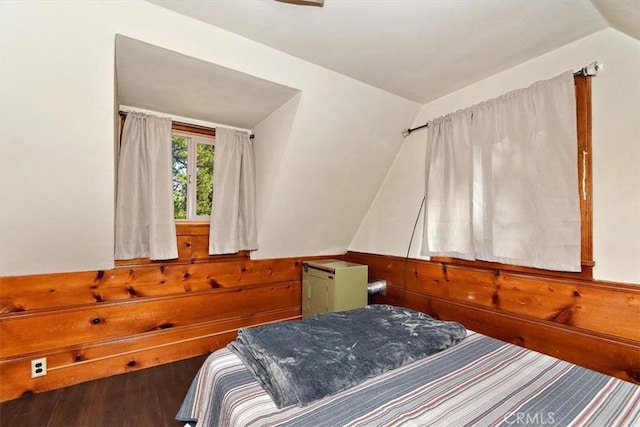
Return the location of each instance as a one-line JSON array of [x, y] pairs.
[[179, 148], [204, 179]]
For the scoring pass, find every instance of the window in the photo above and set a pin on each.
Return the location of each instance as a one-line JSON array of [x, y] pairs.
[[584, 186], [192, 175]]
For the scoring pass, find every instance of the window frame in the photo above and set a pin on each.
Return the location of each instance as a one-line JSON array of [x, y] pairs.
[[192, 160], [585, 190]]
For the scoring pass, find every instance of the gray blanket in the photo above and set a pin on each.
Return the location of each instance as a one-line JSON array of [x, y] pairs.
[[300, 362]]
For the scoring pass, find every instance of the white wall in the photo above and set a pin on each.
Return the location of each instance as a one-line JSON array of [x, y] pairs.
[[270, 143], [387, 227], [57, 133], [56, 139], [336, 160]]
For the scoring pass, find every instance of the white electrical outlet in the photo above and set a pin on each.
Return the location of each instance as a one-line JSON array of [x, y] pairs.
[[39, 367]]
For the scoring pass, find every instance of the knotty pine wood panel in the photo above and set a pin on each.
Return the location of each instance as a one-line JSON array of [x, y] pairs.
[[51, 329], [72, 355], [185, 248], [607, 309], [76, 364], [602, 307], [86, 323], [616, 357], [192, 228], [193, 247], [473, 285], [24, 293]]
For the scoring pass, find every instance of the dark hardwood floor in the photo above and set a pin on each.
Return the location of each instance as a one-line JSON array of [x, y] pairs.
[[149, 397]]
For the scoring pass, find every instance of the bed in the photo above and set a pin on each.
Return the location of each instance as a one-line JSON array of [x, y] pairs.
[[476, 381]]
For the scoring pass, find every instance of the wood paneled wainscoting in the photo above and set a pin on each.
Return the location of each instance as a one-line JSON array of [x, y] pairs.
[[590, 323], [140, 314]]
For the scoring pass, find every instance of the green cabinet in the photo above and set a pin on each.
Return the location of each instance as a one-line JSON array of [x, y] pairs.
[[332, 285]]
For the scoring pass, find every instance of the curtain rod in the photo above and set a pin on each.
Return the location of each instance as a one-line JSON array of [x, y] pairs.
[[590, 70], [183, 123]]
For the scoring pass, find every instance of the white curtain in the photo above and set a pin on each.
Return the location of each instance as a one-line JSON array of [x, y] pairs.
[[145, 224], [524, 182], [448, 221], [233, 211]]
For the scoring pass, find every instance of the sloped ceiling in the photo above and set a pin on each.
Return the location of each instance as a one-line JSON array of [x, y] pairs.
[[418, 49], [623, 15], [157, 79]]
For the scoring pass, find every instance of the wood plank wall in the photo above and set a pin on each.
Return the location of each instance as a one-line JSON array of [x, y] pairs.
[[95, 324], [141, 314], [590, 323]]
